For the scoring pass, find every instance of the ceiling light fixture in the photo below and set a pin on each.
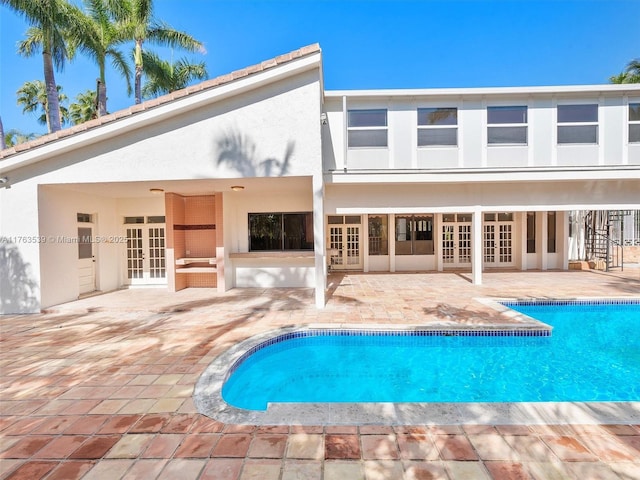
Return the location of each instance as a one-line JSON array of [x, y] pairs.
[[237, 188], [156, 190]]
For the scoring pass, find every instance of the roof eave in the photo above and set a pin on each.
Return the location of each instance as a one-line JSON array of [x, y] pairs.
[[184, 103]]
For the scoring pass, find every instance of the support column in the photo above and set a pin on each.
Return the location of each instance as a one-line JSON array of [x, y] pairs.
[[220, 275], [392, 242], [542, 252], [476, 244], [320, 247], [364, 242]]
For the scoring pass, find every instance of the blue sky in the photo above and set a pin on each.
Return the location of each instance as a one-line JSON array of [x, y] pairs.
[[374, 44]]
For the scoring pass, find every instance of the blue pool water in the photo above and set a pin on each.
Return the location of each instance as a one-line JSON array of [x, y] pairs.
[[593, 354]]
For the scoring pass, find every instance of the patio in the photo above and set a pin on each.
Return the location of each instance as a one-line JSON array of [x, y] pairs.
[[101, 388]]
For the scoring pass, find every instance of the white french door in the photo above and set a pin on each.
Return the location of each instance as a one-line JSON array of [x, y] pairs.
[[498, 240], [456, 240], [344, 243], [145, 255]]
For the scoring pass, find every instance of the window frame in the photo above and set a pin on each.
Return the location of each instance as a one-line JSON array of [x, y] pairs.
[[569, 124], [308, 219], [633, 123], [530, 238], [552, 231], [417, 225], [381, 227], [504, 125], [427, 127], [371, 128]]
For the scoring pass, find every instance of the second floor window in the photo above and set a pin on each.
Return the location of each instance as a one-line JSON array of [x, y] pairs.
[[437, 127], [578, 123], [634, 123], [367, 128], [507, 125]]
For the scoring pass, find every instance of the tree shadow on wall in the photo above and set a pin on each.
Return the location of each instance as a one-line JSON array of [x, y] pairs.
[[240, 153], [18, 290]]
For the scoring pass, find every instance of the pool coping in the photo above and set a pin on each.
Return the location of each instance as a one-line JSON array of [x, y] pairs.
[[208, 390]]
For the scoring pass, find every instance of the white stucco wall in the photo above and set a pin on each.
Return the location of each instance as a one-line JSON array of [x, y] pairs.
[[19, 249], [270, 130], [254, 269], [473, 151], [516, 196]]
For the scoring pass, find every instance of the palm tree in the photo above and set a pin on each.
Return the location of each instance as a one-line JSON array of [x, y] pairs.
[[165, 77], [33, 97], [84, 108], [14, 137], [141, 26], [97, 36], [49, 20], [3, 142], [631, 73]]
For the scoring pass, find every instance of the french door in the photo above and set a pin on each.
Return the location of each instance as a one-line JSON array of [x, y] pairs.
[[498, 240], [456, 240], [145, 254], [344, 242]]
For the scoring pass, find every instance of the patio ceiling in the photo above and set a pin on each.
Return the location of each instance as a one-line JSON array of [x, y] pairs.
[[205, 186]]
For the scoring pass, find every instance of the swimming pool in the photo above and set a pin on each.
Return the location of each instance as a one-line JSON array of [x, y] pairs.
[[593, 355]]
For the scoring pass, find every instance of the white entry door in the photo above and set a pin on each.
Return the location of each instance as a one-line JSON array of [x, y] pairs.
[[145, 255], [456, 240], [344, 242], [86, 255]]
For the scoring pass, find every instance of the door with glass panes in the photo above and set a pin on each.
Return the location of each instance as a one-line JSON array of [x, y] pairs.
[[344, 242], [145, 250], [498, 240], [86, 254], [456, 240]]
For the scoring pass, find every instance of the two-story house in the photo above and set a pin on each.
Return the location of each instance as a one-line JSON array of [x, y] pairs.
[[473, 179], [260, 178]]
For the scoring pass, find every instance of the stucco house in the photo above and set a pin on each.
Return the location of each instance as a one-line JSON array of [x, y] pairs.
[[262, 178]]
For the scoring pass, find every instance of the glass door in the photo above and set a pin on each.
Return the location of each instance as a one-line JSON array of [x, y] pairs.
[[456, 240], [344, 242], [86, 254], [498, 240], [145, 251]]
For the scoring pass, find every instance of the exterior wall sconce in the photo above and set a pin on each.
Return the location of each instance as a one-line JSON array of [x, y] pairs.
[[156, 191], [237, 188]]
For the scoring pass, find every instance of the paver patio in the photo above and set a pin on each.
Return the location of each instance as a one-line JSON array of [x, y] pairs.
[[101, 388]]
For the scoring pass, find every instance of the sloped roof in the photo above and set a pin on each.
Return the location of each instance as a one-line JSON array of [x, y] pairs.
[[150, 104]]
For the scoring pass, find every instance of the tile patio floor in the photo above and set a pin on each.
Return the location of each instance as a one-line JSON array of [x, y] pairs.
[[101, 388]]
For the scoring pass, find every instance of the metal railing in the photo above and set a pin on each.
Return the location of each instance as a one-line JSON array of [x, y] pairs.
[[599, 243]]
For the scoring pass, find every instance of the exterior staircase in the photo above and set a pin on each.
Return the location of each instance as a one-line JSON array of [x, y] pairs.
[[601, 248]]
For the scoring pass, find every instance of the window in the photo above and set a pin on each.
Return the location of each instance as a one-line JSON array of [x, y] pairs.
[[551, 232], [414, 234], [634, 123], [578, 123], [531, 232], [378, 235], [507, 125], [367, 128], [437, 127], [84, 218], [280, 231]]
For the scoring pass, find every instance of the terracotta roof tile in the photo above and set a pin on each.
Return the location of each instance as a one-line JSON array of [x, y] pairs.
[[149, 104]]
